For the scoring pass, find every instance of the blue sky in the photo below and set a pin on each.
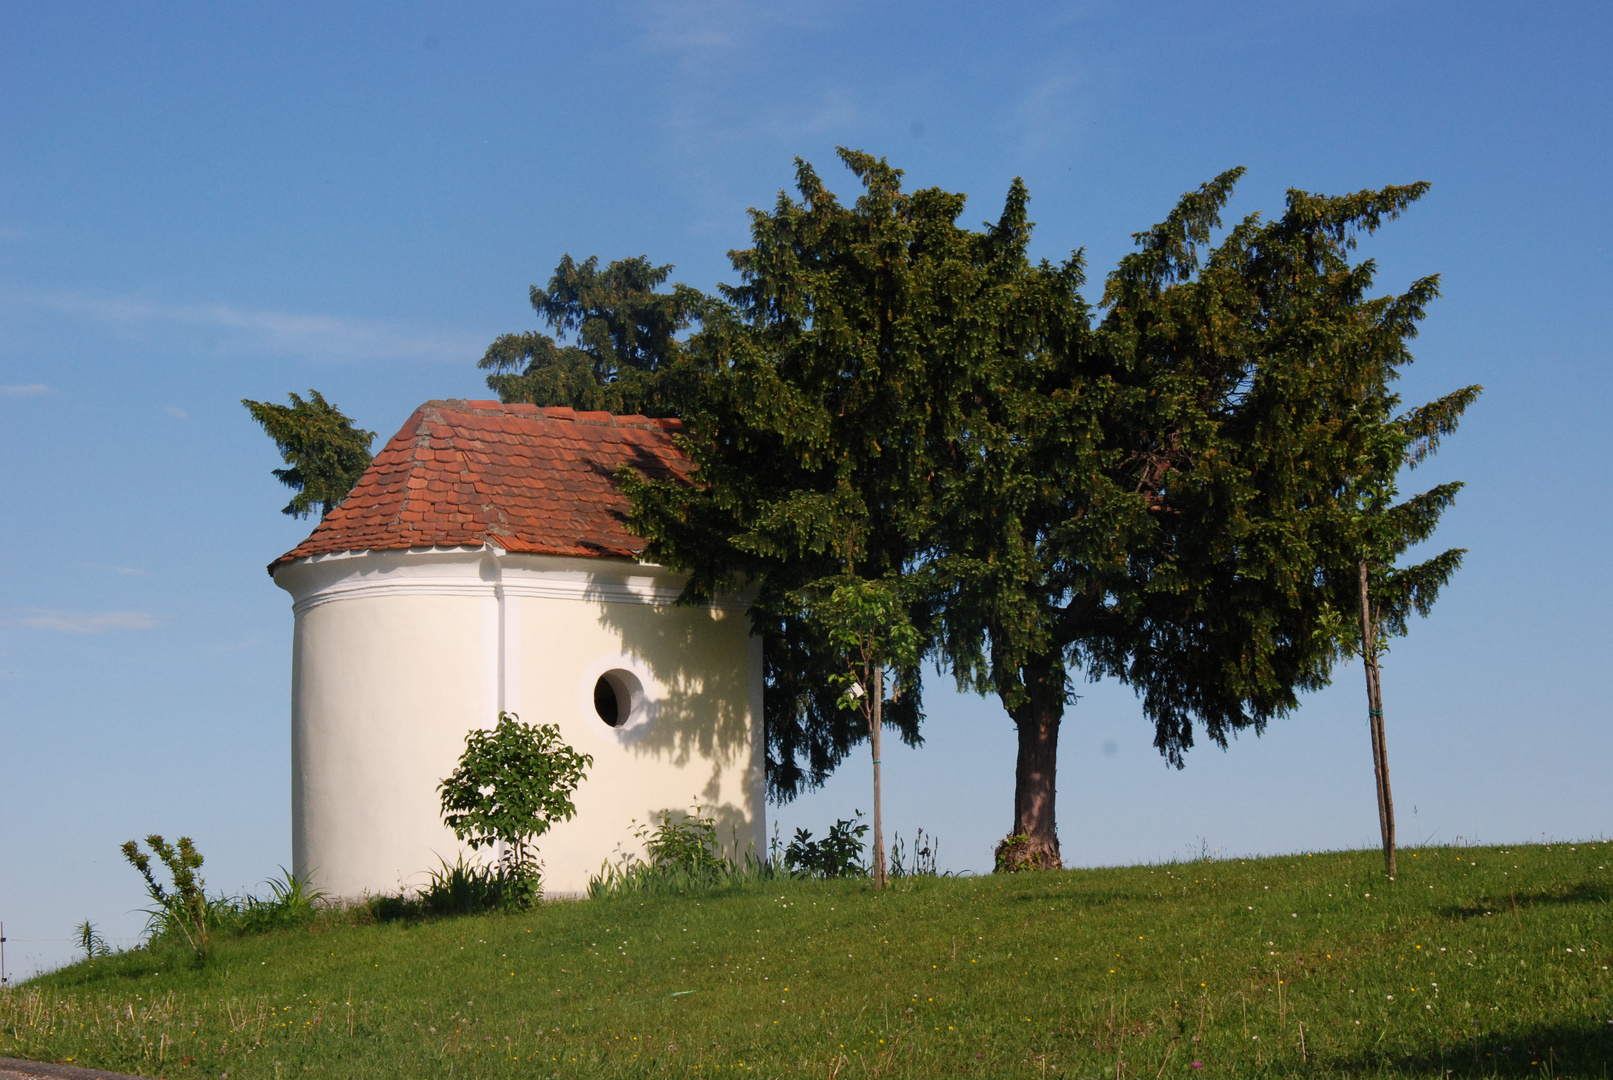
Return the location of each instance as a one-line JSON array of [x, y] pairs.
[[200, 203]]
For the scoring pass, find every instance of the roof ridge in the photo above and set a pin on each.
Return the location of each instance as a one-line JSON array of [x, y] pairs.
[[487, 406]]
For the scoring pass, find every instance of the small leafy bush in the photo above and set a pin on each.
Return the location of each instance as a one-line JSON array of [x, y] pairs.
[[837, 855], [511, 785], [685, 842]]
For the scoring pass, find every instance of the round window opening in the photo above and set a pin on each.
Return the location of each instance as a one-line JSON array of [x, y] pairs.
[[618, 697]]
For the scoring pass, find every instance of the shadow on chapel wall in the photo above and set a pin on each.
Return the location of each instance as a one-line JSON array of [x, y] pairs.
[[706, 695], [702, 710]]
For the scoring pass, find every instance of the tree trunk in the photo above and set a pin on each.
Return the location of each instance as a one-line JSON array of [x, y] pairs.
[[879, 825], [1034, 843], [1380, 750]]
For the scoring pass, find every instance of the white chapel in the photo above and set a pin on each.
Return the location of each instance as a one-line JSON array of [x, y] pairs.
[[483, 563]]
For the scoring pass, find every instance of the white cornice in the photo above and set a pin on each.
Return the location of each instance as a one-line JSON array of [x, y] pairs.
[[482, 572]]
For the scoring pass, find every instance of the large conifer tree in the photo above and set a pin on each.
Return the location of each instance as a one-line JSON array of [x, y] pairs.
[[1158, 497], [827, 380], [1163, 495]]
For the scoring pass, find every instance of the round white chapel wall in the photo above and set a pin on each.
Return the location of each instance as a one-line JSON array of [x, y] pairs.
[[398, 655]]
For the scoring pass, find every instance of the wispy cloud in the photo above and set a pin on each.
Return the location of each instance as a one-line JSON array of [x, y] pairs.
[[28, 388], [176, 412], [712, 56], [231, 329], [1052, 110], [128, 571], [703, 27], [85, 622]]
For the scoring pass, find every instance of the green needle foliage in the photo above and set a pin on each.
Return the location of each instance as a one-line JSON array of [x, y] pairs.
[[183, 907], [627, 358], [1155, 496], [1038, 510], [1162, 488], [626, 340], [820, 391], [512, 783], [325, 453]]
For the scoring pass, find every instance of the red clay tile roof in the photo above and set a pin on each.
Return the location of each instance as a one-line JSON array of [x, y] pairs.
[[528, 479]]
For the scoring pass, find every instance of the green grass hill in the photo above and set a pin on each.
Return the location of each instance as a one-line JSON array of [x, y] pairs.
[[1476, 962]]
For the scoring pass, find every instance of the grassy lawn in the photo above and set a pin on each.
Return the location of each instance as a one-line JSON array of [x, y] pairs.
[[1477, 961]]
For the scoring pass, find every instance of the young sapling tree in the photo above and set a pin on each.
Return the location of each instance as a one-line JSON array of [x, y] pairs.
[[511, 785], [866, 622], [1386, 595]]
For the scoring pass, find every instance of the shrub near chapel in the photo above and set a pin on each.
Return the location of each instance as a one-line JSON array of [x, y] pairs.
[[512, 783]]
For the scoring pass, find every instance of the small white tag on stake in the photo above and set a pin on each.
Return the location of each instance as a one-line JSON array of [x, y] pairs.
[[856, 691]]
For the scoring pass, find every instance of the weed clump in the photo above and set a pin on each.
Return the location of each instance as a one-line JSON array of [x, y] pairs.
[[682, 854], [182, 909], [1019, 853], [458, 889]]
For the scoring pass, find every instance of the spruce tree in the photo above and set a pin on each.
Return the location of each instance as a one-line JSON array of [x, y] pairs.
[[324, 453], [624, 346], [1162, 490], [823, 386], [1157, 497]]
